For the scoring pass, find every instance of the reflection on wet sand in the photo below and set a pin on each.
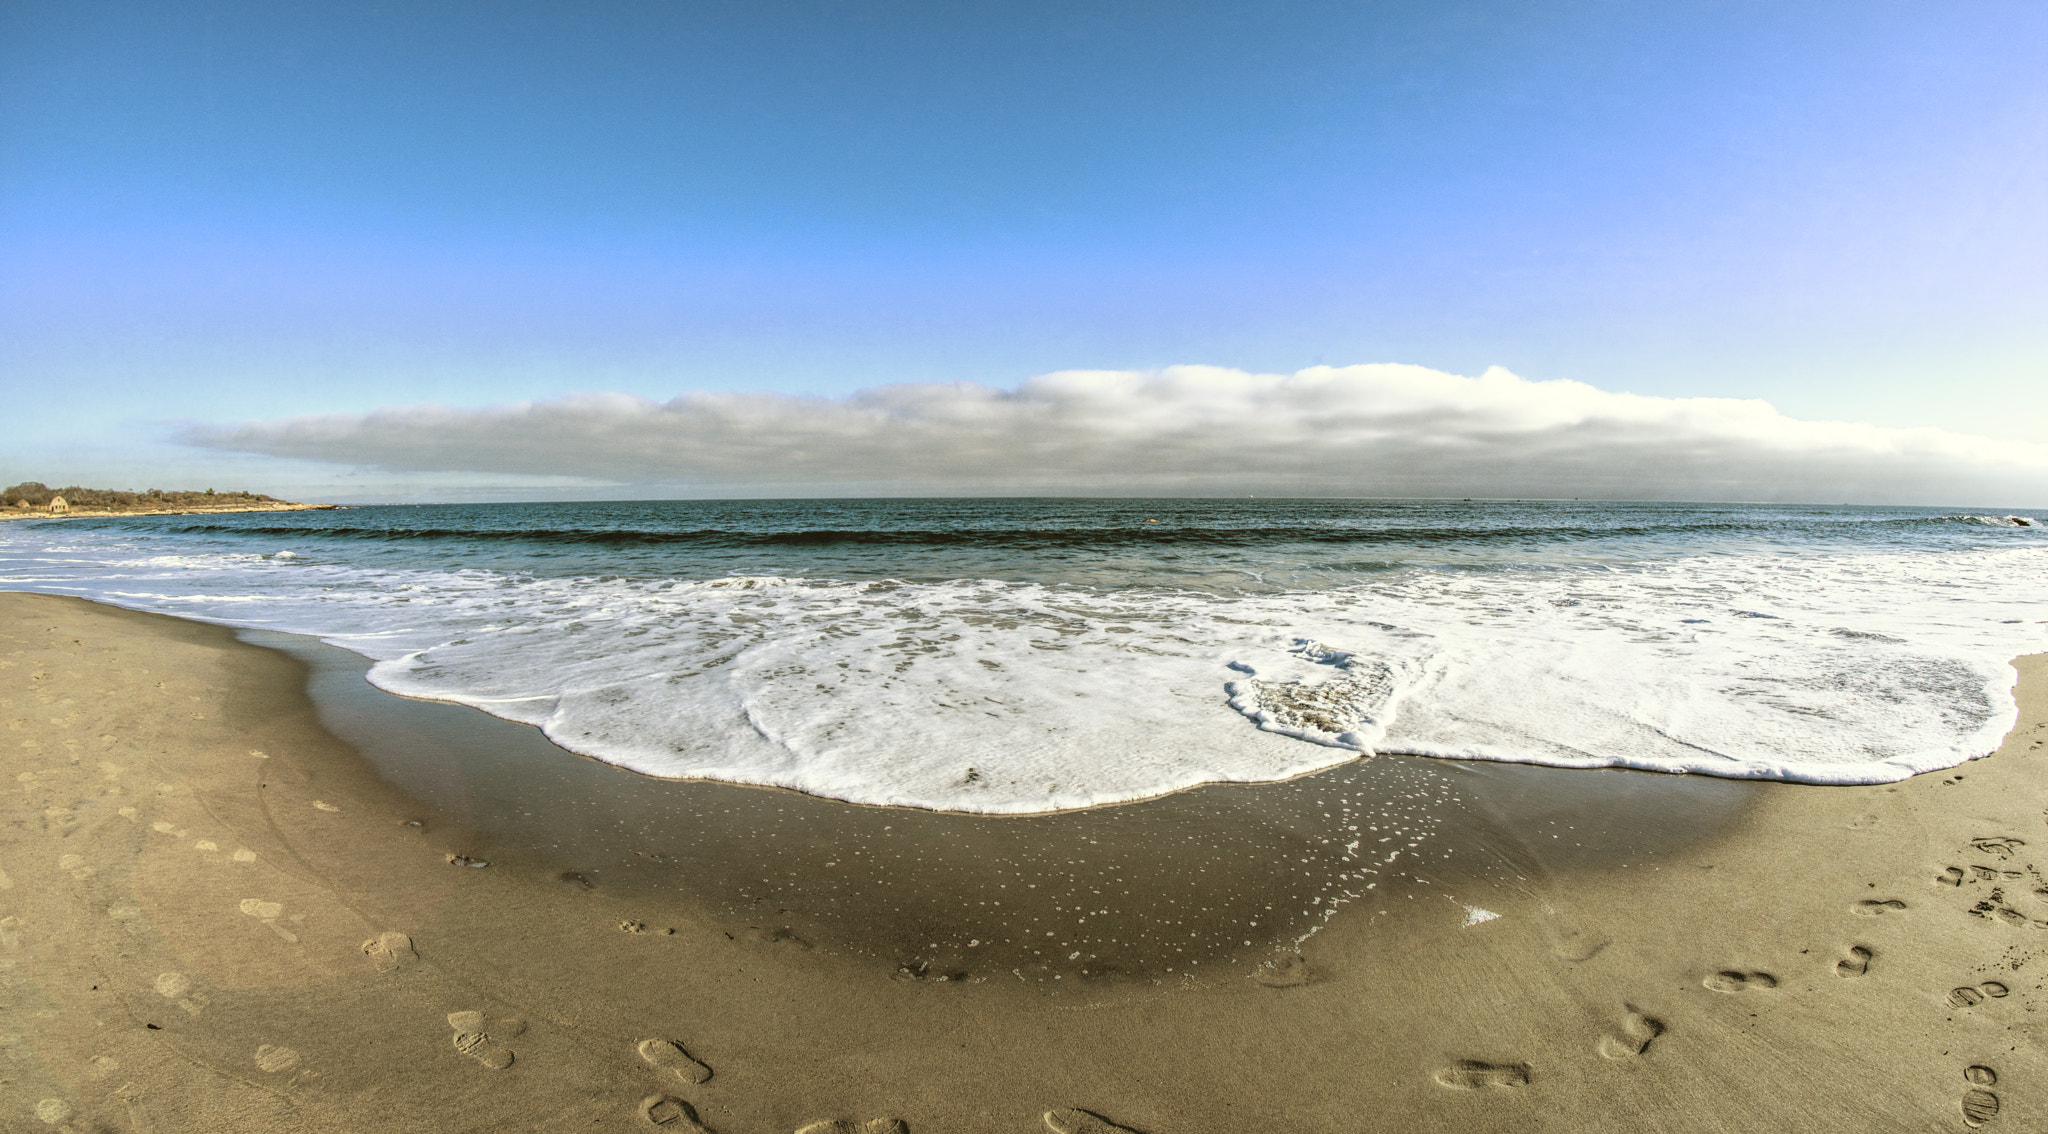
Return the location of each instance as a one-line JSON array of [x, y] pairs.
[[1222, 878]]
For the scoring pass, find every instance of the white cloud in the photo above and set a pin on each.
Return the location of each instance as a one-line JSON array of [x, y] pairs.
[[1379, 430]]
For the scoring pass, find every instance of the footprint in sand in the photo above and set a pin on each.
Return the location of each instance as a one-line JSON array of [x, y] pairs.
[[1856, 964], [1637, 1030], [1876, 907], [672, 1112], [482, 1037], [1070, 1121], [668, 1055], [1994, 907], [1472, 1075], [268, 913], [871, 1126], [2001, 848], [1969, 996], [177, 988], [1731, 981], [390, 950], [1952, 876], [1979, 1104]]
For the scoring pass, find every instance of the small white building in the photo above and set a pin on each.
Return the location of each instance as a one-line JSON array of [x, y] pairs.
[[58, 507]]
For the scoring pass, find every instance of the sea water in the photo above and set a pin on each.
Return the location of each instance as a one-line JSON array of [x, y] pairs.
[[1021, 655]]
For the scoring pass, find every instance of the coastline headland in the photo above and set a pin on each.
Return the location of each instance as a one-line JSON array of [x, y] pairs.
[[90, 513], [33, 500]]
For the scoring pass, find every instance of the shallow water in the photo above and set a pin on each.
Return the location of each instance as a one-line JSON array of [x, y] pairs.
[[1018, 656]]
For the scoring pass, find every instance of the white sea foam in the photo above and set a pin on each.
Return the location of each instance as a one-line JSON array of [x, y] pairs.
[[2007, 521], [987, 696]]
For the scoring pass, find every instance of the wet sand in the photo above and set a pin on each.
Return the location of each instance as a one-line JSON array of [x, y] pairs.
[[195, 936], [1231, 876]]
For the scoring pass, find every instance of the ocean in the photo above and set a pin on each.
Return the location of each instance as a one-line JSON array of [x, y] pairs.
[[1030, 655]]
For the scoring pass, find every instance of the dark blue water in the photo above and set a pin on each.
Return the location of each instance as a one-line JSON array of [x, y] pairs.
[[1257, 544]]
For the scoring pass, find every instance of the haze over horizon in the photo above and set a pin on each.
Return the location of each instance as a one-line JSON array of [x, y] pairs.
[[455, 251]]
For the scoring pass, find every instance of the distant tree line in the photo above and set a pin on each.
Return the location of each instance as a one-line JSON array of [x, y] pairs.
[[35, 494]]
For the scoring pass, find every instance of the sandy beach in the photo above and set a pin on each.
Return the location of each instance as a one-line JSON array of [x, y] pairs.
[[244, 891]]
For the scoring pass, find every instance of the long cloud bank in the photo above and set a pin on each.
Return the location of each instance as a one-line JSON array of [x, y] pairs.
[[1378, 430]]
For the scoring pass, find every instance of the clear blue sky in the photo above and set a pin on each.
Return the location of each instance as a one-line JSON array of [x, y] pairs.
[[217, 211]]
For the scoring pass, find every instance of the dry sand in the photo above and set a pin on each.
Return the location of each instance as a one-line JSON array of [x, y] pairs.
[[216, 914]]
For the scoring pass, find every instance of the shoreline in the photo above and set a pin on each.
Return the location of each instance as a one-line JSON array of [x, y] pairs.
[[261, 942], [939, 876], [101, 514], [306, 645]]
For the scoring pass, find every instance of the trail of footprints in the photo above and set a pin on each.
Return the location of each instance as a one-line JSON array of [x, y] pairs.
[[486, 1037], [483, 1037], [1638, 1030], [1979, 1104]]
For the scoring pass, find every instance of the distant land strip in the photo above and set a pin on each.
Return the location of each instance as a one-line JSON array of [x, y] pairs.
[[33, 500]]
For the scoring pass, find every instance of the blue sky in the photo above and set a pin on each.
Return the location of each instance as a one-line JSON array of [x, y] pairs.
[[219, 212]]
